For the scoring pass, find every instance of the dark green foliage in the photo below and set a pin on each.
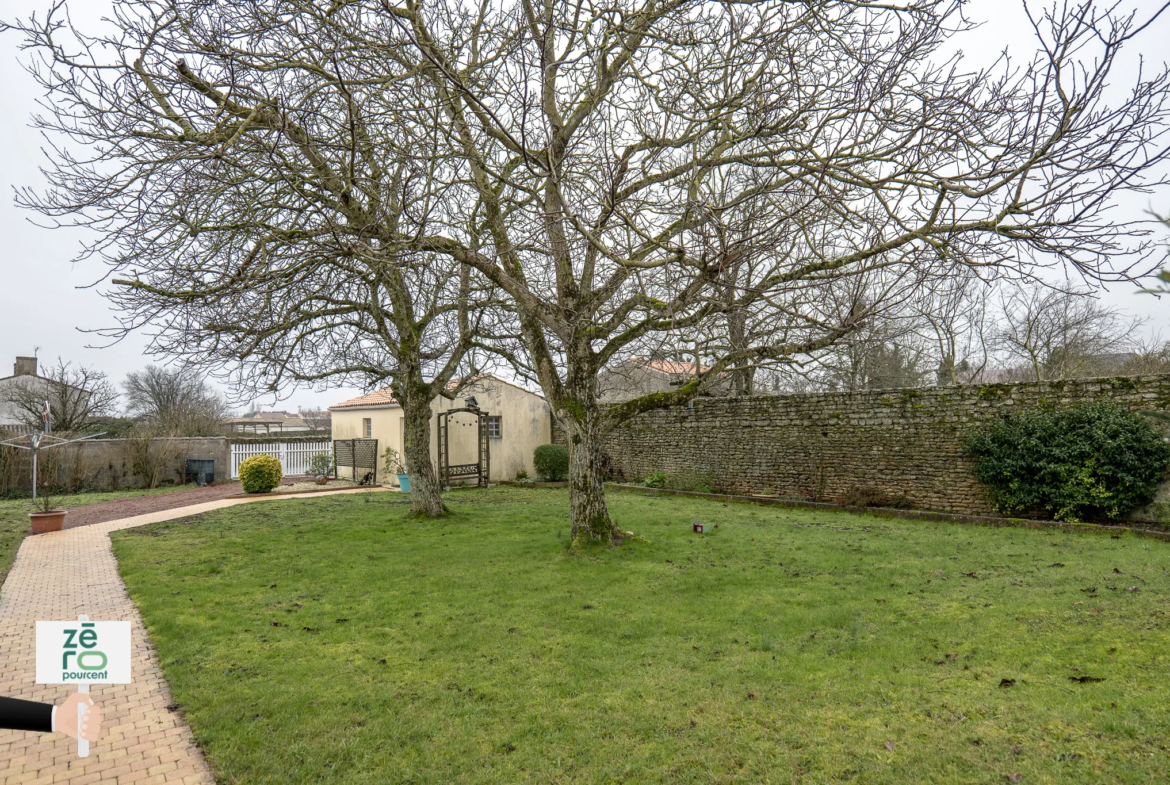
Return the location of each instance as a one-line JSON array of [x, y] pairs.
[[1092, 461], [114, 427], [655, 480], [260, 474], [699, 482], [552, 462]]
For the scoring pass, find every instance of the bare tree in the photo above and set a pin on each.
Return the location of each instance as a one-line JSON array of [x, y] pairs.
[[953, 316], [78, 397], [1064, 333], [175, 401], [884, 354], [601, 140], [316, 419], [581, 158], [1163, 276], [1147, 356], [265, 174]]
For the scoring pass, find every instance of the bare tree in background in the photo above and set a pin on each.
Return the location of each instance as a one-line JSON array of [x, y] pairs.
[[1064, 333], [882, 355], [583, 155], [317, 420], [1164, 275], [175, 401], [953, 316], [79, 397]]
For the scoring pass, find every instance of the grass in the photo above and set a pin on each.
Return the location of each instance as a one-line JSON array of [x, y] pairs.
[[14, 516], [336, 640]]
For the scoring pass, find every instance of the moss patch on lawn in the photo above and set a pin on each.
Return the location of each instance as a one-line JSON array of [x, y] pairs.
[[336, 639]]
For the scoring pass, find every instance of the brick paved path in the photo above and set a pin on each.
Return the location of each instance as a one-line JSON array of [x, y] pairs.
[[57, 576]]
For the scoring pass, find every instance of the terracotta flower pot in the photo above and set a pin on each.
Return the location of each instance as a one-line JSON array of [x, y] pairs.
[[51, 521]]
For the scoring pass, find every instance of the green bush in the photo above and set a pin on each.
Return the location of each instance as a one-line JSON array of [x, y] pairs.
[[552, 462], [320, 466], [700, 482], [1094, 460], [260, 474], [655, 480]]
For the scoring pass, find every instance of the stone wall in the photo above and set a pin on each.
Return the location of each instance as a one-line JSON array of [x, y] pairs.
[[109, 464], [886, 446]]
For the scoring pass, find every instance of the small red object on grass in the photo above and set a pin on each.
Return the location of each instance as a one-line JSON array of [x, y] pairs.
[[698, 528]]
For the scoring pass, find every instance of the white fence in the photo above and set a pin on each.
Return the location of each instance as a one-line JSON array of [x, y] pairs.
[[294, 456]]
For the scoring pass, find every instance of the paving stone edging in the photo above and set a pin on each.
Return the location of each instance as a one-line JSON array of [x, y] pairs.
[[891, 512]]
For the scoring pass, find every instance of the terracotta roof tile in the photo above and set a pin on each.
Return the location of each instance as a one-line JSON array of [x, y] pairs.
[[376, 398], [668, 366]]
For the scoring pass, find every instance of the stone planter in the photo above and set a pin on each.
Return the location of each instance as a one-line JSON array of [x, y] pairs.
[[52, 521]]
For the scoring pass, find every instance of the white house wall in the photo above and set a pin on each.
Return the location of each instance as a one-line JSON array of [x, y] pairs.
[[525, 424]]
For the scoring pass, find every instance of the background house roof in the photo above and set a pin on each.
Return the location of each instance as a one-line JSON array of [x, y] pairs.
[[672, 367], [376, 398], [383, 398], [270, 418]]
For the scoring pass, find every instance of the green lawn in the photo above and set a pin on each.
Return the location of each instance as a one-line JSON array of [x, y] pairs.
[[336, 640], [14, 516]]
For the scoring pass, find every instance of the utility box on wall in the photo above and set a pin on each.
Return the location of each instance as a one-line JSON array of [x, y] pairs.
[[200, 471]]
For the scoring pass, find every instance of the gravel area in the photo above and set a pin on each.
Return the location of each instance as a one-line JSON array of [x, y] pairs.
[[141, 505], [301, 486]]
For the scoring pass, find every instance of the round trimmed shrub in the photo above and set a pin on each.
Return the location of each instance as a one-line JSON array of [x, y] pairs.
[[1096, 460], [552, 462], [260, 474]]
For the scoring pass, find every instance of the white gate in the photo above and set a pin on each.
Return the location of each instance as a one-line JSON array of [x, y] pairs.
[[294, 457]]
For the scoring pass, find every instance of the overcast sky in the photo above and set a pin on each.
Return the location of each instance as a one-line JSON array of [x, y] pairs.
[[45, 302]]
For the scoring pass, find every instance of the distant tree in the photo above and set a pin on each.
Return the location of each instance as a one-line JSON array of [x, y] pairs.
[[78, 397], [1064, 333], [114, 427], [316, 420], [176, 400], [952, 316], [1164, 276], [1147, 357]]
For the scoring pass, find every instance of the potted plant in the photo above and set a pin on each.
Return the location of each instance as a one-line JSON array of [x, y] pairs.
[[45, 517], [392, 463]]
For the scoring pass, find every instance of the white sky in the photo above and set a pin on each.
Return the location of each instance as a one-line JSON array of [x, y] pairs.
[[43, 302]]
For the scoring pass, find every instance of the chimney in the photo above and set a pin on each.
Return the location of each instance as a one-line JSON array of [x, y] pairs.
[[25, 366]]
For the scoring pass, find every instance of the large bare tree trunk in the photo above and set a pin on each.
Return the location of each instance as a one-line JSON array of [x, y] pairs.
[[589, 513], [425, 497], [584, 423]]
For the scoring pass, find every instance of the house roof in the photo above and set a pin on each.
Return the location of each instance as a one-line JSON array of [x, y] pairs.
[[269, 418], [383, 399], [672, 367], [40, 378], [378, 398], [456, 382]]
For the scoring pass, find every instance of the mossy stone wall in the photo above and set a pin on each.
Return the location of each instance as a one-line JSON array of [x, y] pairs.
[[898, 446]]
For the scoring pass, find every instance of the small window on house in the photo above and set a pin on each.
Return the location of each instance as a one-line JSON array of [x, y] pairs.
[[367, 428], [495, 430]]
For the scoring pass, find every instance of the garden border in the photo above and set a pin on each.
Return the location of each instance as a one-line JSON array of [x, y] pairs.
[[891, 512]]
